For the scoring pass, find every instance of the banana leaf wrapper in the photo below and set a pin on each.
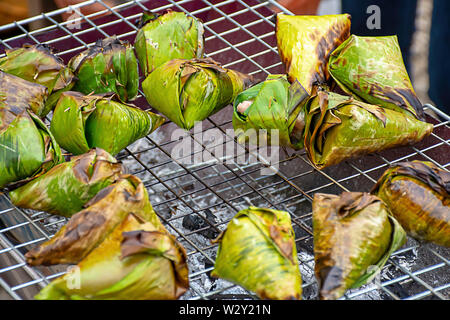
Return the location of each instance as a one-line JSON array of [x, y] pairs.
[[372, 69], [67, 187], [418, 195], [88, 228], [354, 236], [38, 64], [276, 107], [21, 94], [136, 261], [339, 127], [110, 66], [305, 44], [172, 35], [81, 123], [27, 147], [187, 91], [257, 251]]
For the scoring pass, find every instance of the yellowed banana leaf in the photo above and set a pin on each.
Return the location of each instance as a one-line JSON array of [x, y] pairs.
[[67, 187], [258, 252], [89, 227], [305, 44], [339, 127], [418, 195], [354, 235], [136, 261]]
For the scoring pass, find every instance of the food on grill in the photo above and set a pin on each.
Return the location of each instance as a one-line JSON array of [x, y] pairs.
[[339, 127], [109, 66], [354, 235], [65, 188], [21, 94], [89, 227], [81, 122], [258, 252], [136, 261], [27, 148], [273, 110], [39, 65], [418, 195], [305, 44], [172, 35], [372, 69], [187, 91]]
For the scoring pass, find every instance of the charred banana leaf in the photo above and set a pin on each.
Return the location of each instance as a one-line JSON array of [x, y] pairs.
[[274, 107], [372, 69], [354, 235], [81, 123], [89, 227], [258, 252], [27, 148], [172, 35], [305, 44], [38, 64], [418, 195], [65, 188], [136, 261], [21, 94], [110, 66], [339, 127], [187, 91]]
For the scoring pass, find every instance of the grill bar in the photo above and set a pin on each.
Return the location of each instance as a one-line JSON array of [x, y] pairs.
[[240, 34]]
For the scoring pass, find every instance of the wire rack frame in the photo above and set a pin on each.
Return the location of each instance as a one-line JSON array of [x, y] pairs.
[[239, 34]]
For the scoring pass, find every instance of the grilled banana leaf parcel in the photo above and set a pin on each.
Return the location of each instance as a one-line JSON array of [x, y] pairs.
[[339, 127], [372, 69], [187, 91], [274, 107], [172, 35], [38, 64], [418, 195], [136, 261], [81, 123], [258, 252], [110, 66], [305, 44], [21, 94], [27, 148], [65, 188], [88, 228], [354, 235]]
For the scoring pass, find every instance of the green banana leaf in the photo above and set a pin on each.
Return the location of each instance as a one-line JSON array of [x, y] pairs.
[[372, 69], [67, 187], [274, 106], [88, 228], [136, 261], [187, 91], [81, 123], [354, 236], [109, 66], [418, 195], [172, 35], [38, 64], [305, 44], [21, 94], [27, 148], [339, 127], [258, 252]]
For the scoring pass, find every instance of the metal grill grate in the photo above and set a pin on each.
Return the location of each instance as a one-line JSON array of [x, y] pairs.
[[208, 193]]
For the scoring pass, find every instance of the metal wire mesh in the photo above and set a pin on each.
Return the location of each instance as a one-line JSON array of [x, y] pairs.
[[196, 199]]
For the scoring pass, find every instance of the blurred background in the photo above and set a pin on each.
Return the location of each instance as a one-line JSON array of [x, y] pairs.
[[411, 20]]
